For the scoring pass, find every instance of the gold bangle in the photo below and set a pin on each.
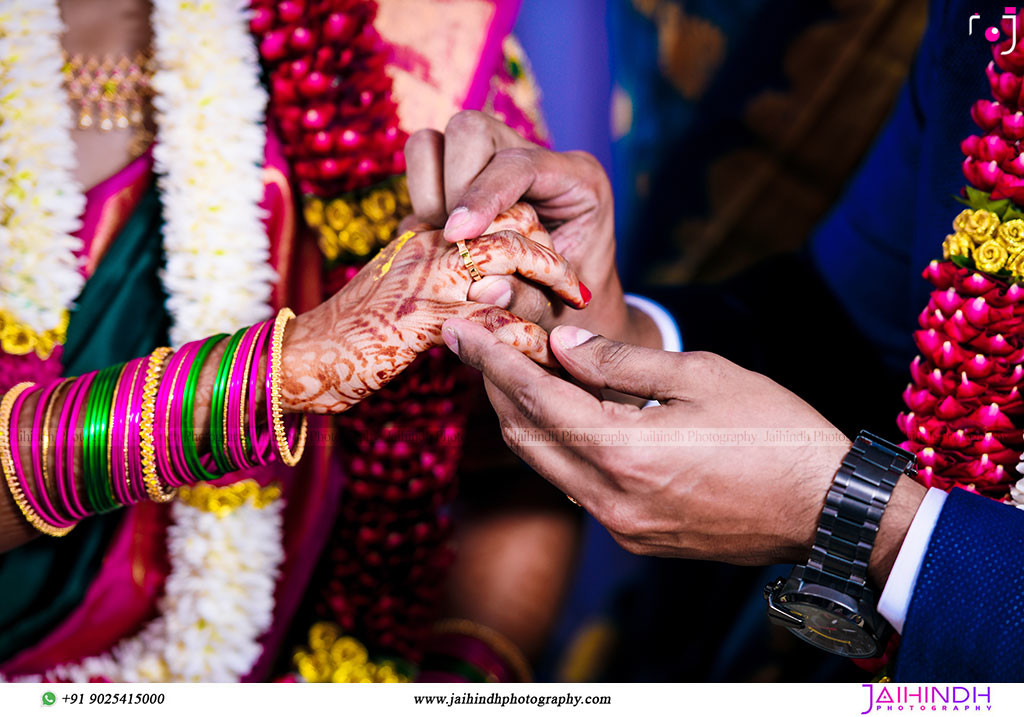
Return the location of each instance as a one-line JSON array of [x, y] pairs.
[[288, 457], [45, 442], [505, 648], [154, 368], [7, 463], [467, 260]]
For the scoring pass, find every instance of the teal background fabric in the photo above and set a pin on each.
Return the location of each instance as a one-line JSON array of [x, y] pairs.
[[119, 315]]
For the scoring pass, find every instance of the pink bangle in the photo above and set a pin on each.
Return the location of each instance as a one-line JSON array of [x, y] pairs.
[[67, 430], [234, 442], [164, 430], [133, 438], [259, 443], [48, 516], [119, 458], [177, 411], [116, 465], [50, 438], [40, 447], [235, 434]]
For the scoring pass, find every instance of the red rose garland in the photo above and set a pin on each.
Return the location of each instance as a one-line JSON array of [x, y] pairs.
[[387, 558], [330, 97], [965, 408], [965, 414], [994, 163]]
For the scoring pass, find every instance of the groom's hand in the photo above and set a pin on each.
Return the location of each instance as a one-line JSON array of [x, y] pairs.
[[731, 466], [479, 168]]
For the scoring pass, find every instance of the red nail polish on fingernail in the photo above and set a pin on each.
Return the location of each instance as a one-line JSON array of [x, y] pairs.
[[585, 293]]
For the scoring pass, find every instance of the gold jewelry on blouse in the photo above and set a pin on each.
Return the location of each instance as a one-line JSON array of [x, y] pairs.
[[110, 93]]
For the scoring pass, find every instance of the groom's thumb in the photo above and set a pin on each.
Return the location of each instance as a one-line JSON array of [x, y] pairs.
[[635, 370]]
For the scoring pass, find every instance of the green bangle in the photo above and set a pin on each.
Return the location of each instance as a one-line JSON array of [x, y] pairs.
[[104, 488], [188, 439], [88, 463], [218, 405], [90, 440], [94, 448]]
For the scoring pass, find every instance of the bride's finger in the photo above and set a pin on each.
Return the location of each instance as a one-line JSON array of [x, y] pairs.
[[521, 218], [507, 252], [519, 297], [508, 328], [414, 223]]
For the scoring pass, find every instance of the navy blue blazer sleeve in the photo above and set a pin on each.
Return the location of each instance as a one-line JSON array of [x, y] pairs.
[[967, 610]]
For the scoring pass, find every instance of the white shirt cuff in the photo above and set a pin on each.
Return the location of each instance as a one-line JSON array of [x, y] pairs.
[[900, 586], [671, 339]]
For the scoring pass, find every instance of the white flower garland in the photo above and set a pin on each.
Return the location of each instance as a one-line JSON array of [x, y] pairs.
[[210, 140], [1017, 491], [40, 201], [219, 596]]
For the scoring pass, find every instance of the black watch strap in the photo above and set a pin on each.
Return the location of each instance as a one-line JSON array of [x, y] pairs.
[[853, 511]]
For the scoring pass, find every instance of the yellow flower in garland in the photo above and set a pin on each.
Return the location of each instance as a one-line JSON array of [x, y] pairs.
[[18, 339], [15, 338], [991, 256], [224, 500], [1011, 234], [353, 226], [1015, 265], [979, 224], [333, 657], [959, 244]]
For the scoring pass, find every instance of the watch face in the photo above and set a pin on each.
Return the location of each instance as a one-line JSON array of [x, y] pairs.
[[830, 630]]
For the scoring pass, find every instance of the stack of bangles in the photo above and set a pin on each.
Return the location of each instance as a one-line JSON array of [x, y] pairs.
[[464, 651], [134, 425]]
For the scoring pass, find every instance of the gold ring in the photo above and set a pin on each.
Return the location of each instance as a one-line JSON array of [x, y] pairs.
[[468, 261], [573, 501]]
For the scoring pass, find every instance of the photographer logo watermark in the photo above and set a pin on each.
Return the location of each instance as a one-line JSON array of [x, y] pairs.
[[992, 33], [928, 698]]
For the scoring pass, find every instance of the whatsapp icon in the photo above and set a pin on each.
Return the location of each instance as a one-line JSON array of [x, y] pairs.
[[49, 698]]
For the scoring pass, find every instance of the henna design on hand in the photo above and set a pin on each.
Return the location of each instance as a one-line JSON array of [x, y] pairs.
[[392, 310]]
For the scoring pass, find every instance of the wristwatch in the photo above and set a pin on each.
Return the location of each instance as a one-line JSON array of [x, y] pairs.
[[828, 602]]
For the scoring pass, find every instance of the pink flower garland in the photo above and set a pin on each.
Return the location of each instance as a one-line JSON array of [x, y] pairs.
[[965, 413]]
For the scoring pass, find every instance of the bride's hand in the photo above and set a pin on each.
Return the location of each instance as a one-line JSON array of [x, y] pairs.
[[479, 168], [393, 309], [526, 300]]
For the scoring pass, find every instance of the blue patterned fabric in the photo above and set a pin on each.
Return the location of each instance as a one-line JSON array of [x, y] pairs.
[[967, 610], [891, 221]]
